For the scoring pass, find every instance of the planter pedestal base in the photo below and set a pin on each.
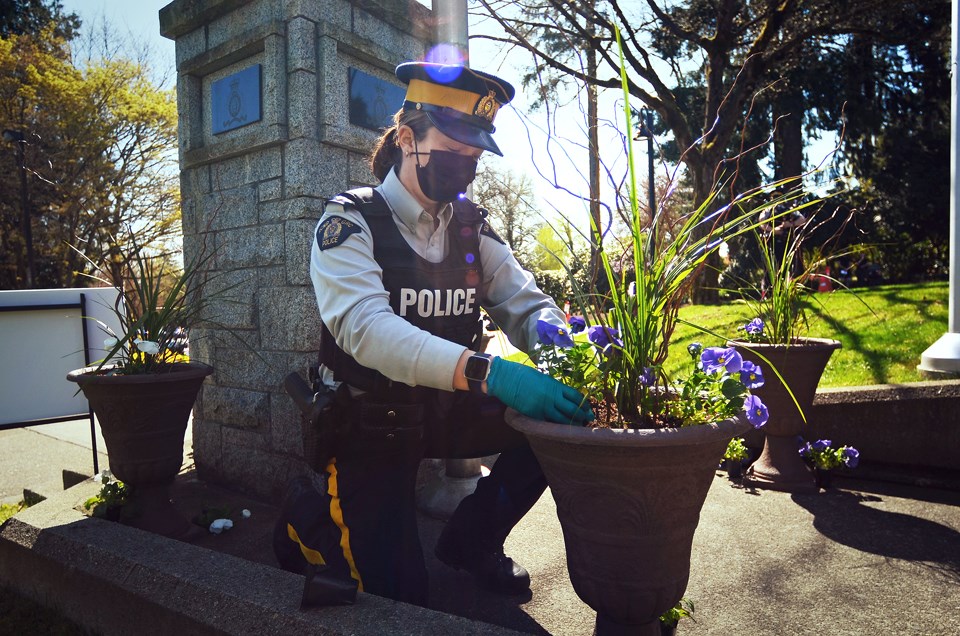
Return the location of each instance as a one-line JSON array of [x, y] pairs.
[[780, 467], [156, 513], [606, 627]]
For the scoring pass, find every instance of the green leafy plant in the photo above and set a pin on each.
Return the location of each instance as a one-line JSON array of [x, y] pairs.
[[683, 609], [821, 455], [736, 450], [155, 307], [111, 501]]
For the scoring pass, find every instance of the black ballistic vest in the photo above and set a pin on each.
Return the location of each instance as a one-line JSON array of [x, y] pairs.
[[441, 298]]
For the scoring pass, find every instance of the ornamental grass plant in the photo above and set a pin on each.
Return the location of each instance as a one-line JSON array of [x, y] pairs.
[[796, 238], [649, 274], [156, 306]]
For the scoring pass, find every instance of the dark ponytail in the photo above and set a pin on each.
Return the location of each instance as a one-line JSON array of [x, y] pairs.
[[386, 152]]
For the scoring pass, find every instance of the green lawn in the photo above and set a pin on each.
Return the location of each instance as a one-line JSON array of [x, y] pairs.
[[883, 330]]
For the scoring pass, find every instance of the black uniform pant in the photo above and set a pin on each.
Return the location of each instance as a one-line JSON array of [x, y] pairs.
[[365, 525]]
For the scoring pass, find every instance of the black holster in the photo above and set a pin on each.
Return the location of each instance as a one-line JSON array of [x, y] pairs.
[[320, 428]]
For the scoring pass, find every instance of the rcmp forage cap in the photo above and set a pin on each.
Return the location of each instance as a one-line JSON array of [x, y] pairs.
[[458, 100]]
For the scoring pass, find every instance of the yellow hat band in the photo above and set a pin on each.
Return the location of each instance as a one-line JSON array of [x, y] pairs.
[[466, 102]]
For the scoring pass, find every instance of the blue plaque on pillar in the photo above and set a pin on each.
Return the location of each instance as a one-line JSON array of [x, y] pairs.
[[235, 100], [373, 101]]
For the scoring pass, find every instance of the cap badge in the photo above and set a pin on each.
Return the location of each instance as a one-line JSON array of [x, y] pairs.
[[487, 107]]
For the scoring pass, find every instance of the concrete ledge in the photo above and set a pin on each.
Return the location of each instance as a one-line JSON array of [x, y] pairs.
[[907, 425], [912, 424], [114, 579]]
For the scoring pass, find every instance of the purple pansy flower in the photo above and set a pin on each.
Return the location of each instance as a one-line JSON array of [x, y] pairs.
[[577, 324], [754, 327], [806, 450], [604, 336], [551, 334], [822, 444], [716, 359], [751, 375], [851, 456], [756, 411], [648, 377]]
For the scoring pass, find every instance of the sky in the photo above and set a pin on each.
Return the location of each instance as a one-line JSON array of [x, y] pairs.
[[139, 19], [519, 134]]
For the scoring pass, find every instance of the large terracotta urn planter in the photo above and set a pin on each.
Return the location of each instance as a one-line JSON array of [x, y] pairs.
[[629, 502], [800, 364], [143, 419]]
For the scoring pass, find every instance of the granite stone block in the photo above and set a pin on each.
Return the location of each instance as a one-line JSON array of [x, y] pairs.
[[269, 190], [260, 165], [194, 182], [360, 173], [286, 420], [239, 408], [259, 370], [333, 11], [237, 22], [301, 45], [388, 35], [232, 301], [299, 239], [291, 208], [288, 315], [190, 45], [313, 169], [275, 81], [206, 436], [225, 209], [250, 246], [302, 115], [271, 277]]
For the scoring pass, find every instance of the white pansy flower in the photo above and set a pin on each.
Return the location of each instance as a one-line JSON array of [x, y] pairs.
[[147, 346]]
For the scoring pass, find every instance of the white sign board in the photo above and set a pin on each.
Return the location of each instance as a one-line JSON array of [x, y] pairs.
[[42, 339]]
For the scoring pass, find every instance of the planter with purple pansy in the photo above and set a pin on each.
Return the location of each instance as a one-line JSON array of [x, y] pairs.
[[789, 388], [629, 488], [823, 459]]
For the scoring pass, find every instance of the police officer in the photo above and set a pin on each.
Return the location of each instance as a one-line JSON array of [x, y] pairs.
[[401, 272]]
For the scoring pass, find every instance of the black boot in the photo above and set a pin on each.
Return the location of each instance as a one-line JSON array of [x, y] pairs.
[[493, 570]]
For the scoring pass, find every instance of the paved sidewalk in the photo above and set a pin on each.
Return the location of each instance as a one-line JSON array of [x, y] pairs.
[[862, 558]]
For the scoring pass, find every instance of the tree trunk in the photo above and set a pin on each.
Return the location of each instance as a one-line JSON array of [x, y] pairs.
[[705, 287], [788, 136]]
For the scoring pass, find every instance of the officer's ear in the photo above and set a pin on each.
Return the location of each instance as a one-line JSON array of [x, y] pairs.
[[405, 139]]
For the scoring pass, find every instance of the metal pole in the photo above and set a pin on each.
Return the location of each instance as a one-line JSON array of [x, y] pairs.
[[459, 478], [942, 358], [651, 186]]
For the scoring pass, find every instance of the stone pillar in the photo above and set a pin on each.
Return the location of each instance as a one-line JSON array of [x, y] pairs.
[[253, 193]]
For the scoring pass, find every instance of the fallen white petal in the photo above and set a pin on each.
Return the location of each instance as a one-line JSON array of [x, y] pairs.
[[148, 346], [219, 525], [245, 513]]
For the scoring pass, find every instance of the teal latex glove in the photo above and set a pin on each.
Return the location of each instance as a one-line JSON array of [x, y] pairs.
[[536, 394]]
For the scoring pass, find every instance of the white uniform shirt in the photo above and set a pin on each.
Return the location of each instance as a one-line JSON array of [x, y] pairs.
[[355, 307]]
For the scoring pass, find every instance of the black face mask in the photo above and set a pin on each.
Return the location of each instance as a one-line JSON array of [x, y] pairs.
[[446, 176]]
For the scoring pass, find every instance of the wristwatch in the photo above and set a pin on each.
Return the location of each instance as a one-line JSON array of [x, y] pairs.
[[476, 371]]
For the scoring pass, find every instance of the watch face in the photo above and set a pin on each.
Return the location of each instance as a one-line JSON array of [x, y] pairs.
[[477, 368]]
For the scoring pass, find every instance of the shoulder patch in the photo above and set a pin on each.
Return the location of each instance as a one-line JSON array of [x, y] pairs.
[[486, 230], [335, 231]]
